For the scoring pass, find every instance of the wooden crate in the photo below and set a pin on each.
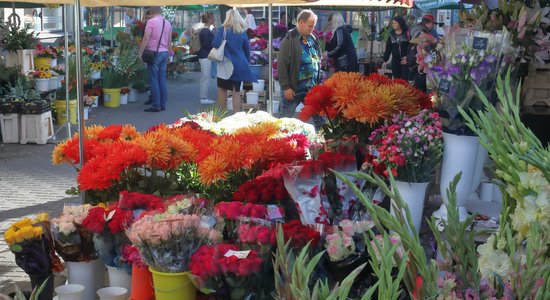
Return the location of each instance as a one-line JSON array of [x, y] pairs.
[[536, 89]]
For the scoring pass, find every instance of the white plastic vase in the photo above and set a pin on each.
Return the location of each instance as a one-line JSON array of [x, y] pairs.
[[42, 84], [123, 99], [259, 86], [112, 293], [88, 274], [70, 292], [276, 105], [96, 75], [133, 96], [86, 112], [413, 194], [459, 155], [119, 277], [53, 62], [252, 97], [54, 83], [276, 86]]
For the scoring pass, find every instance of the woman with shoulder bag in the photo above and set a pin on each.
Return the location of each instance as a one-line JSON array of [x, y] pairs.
[[340, 47], [232, 36], [154, 51]]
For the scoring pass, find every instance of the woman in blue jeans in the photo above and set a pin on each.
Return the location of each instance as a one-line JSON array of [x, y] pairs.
[[158, 33]]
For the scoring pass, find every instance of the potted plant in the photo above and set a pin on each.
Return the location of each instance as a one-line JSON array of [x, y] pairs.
[[61, 103], [44, 56], [19, 44], [95, 69], [41, 80], [112, 82]]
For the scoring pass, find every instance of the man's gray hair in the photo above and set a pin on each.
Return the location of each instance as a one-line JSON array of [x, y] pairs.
[[305, 14]]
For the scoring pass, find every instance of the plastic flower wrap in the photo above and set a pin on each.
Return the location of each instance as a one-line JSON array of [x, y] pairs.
[[303, 183], [72, 241], [468, 58], [410, 146], [167, 241], [345, 206], [31, 243]]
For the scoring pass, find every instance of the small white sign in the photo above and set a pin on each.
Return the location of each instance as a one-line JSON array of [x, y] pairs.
[[238, 254]]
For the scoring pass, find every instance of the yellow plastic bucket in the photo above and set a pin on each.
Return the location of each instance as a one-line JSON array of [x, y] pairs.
[[111, 97], [42, 63], [61, 111], [170, 286]]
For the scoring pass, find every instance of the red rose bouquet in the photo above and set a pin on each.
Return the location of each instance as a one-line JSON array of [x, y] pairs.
[[226, 270], [167, 241], [262, 189], [108, 226], [299, 235], [139, 202]]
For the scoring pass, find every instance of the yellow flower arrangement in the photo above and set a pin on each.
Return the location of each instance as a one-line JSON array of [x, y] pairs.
[[24, 230], [97, 66]]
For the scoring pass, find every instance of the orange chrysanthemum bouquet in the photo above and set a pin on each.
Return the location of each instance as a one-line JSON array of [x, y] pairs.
[[168, 161], [354, 104]]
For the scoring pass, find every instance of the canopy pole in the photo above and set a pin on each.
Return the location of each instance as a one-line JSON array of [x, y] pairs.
[[270, 60], [67, 70], [79, 88]]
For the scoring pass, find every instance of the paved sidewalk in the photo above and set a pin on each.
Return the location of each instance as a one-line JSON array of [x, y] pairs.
[[30, 184]]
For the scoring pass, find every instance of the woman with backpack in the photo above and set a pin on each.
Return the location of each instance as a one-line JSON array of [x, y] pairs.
[[397, 46], [206, 36], [340, 47]]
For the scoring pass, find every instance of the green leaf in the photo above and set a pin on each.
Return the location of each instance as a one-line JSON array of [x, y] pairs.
[[16, 248]]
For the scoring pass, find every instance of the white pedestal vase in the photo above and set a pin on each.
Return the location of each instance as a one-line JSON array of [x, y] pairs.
[[459, 155], [413, 194], [88, 274], [86, 112], [481, 158], [133, 96], [112, 293], [42, 84], [54, 83], [70, 292], [123, 99], [53, 62], [95, 75], [119, 278]]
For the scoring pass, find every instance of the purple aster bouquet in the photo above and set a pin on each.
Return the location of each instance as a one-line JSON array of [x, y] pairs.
[[468, 59], [276, 44]]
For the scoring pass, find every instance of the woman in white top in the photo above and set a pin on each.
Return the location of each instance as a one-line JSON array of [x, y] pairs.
[[249, 18]]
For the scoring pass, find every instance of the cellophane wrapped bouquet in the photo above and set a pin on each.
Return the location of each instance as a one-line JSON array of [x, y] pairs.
[[73, 242], [469, 59]]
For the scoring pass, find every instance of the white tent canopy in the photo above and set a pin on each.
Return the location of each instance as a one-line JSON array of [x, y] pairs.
[[98, 3], [358, 3]]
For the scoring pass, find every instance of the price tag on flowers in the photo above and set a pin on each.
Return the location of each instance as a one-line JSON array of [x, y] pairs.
[[238, 254], [480, 43]]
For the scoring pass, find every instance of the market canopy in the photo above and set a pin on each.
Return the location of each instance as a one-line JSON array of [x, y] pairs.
[[344, 3], [99, 3]]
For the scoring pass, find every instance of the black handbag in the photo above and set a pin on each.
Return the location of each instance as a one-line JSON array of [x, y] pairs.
[[148, 56]]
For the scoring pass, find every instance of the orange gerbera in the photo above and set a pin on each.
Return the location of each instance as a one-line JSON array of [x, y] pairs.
[[58, 154], [180, 151], [351, 91], [158, 152], [267, 129], [378, 79], [231, 151], [372, 108], [318, 101], [110, 133], [200, 139], [91, 176], [406, 98], [92, 132], [128, 133], [212, 169]]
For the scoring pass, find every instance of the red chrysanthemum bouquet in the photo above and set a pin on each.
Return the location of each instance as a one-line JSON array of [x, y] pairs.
[[167, 241], [410, 147], [226, 271]]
